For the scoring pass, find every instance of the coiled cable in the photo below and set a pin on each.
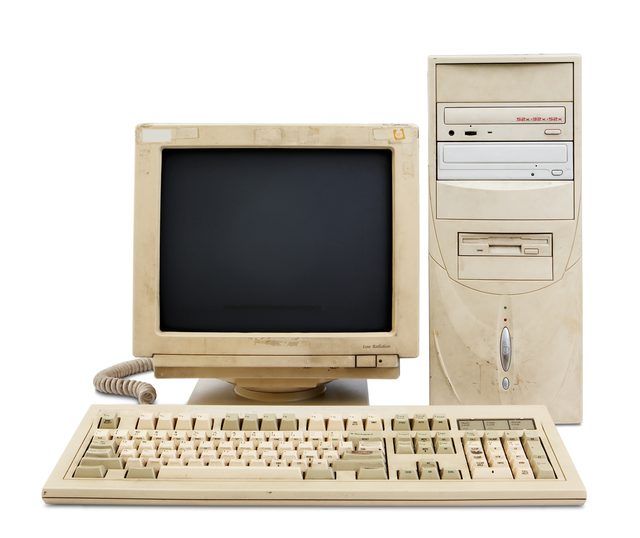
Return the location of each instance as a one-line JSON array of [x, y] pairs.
[[110, 380]]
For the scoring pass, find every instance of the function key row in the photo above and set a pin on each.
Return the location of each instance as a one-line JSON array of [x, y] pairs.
[[286, 422]]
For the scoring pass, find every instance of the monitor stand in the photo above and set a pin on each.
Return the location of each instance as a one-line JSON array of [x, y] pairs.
[[338, 392]]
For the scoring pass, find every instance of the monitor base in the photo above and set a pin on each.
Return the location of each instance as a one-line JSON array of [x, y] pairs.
[[338, 392]]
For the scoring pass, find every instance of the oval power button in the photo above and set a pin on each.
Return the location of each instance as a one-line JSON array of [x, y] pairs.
[[505, 349]]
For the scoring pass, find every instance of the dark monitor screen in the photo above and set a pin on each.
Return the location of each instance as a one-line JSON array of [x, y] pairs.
[[276, 240]]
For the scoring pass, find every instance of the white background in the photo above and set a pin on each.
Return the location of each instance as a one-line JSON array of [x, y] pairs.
[[76, 79]]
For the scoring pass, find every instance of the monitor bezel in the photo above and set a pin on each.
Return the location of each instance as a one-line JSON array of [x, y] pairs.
[[401, 340]]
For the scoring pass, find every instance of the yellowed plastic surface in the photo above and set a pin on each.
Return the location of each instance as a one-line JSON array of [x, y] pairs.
[[565, 489], [473, 298], [321, 353]]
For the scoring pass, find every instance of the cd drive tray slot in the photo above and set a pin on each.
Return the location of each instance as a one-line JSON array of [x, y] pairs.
[[483, 115], [533, 161], [505, 256]]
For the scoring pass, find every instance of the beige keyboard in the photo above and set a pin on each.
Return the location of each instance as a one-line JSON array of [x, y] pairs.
[[161, 454]]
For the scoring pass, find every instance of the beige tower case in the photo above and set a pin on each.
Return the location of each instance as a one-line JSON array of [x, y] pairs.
[[505, 271]]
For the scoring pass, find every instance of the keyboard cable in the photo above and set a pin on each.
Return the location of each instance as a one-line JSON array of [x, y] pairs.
[[111, 380]]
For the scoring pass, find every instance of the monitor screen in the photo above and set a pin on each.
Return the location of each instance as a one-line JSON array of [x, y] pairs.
[[276, 240]]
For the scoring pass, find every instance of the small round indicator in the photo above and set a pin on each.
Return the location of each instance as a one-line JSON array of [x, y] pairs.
[[505, 383]]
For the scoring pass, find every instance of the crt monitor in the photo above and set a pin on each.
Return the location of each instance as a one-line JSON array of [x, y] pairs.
[[277, 258]]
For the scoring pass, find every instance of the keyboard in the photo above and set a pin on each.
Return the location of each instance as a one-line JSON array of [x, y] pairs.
[[173, 454]]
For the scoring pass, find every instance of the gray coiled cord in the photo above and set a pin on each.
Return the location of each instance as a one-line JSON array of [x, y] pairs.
[[110, 380]]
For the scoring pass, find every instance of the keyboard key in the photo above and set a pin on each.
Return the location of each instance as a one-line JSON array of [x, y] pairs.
[[363, 455], [356, 437], [319, 471], [146, 421], [231, 422], [203, 422], [373, 423], [289, 422], [423, 444], [450, 474], [107, 463], [231, 473], [533, 447], [316, 423], [356, 464], [108, 421], [443, 444], [420, 422], [250, 422], [269, 422], [407, 474], [103, 444], [523, 473], [354, 423], [142, 472], [401, 423], [90, 471], [115, 474], [439, 423], [403, 445], [542, 469], [184, 422], [371, 446], [134, 462], [165, 422], [335, 423], [345, 475], [106, 452], [428, 470], [372, 473]]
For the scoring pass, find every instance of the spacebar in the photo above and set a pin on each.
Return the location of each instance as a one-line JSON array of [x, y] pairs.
[[231, 473]]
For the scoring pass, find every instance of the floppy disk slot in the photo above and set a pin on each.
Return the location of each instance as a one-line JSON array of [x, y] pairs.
[[472, 244], [505, 256], [505, 160]]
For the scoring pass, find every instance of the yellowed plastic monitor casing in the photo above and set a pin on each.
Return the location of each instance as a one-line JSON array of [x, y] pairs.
[[487, 268], [277, 362]]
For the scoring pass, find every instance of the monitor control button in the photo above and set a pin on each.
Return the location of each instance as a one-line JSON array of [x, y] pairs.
[[505, 383], [556, 172], [552, 131], [365, 361]]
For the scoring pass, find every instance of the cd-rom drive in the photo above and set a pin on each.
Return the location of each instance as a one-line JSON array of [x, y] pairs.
[[505, 160], [552, 121]]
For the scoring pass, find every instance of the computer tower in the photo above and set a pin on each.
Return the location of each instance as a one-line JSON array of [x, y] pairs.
[[505, 266]]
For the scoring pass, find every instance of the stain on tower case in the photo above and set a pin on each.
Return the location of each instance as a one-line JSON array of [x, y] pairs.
[[505, 266]]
